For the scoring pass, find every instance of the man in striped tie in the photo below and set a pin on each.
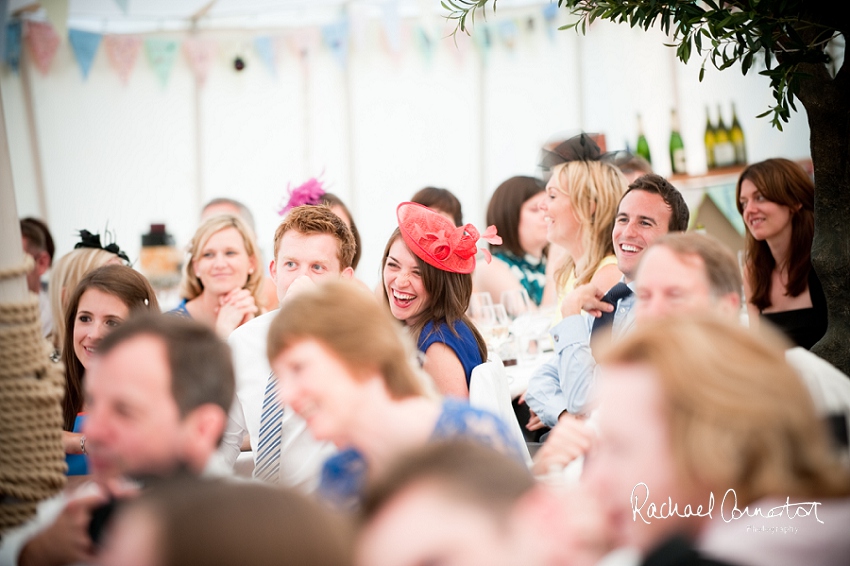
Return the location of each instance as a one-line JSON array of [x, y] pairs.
[[650, 208], [311, 244]]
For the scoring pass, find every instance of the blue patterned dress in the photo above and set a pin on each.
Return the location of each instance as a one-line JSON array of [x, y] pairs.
[[344, 474]]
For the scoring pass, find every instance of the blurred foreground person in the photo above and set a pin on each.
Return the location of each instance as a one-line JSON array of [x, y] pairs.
[[214, 523], [157, 398], [343, 365], [462, 504], [708, 437]]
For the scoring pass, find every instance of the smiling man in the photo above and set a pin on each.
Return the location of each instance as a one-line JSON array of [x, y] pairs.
[[312, 244], [650, 208]]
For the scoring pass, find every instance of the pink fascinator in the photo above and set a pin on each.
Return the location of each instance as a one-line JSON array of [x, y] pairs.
[[310, 192], [438, 242]]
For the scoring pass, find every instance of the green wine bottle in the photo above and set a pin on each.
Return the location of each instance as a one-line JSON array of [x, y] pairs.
[[709, 141], [737, 137], [642, 144], [677, 146], [724, 151]]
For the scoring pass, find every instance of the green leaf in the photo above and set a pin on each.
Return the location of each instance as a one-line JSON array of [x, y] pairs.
[[746, 62]]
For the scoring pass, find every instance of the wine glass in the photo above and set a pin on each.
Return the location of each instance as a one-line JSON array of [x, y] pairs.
[[493, 324], [516, 302], [477, 302]]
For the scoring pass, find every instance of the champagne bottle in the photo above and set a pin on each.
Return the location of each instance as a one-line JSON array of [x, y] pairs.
[[642, 144], [677, 146], [724, 151], [736, 135], [709, 141]]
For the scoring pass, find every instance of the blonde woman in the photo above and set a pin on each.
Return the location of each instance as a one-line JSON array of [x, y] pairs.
[[88, 254], [221, 278], [580, 205]]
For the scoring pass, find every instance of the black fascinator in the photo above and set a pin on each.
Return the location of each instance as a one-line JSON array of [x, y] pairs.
[[89, 240], [577, 148]]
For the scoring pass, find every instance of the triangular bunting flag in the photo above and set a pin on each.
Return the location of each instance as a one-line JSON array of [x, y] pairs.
[[43, 42], [122, 51], [265, 47], [336, 38], [427, 44], [483, 40], [392, 24], [199, 53], [302, 42], [84, 44], [161, 54], [13, 45], [124, 5], [550, 12], [4, 14], [57, 15], [508, 32]]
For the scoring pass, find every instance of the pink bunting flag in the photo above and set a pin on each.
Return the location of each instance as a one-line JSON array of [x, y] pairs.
[[43, 42], [122, 51], [199, 53], [301, 42]]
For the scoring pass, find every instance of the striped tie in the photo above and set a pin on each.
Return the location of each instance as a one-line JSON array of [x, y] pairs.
[[267, 461]]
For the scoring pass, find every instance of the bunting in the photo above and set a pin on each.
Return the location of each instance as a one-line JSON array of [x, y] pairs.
[[199, 54], [84, 45], [13, 45], [4, 13], [43, 42], [303, 42], [550, 13], [392, 26], [427, 45], [122, 52], [508, 33], [265, 48], [57, 15], [161, 54], [483, 41], [336, 38]]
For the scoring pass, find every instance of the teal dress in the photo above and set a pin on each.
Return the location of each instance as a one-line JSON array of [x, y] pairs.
[[529, 270]]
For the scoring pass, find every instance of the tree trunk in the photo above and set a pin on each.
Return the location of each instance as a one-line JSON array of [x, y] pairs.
[[827, 102]]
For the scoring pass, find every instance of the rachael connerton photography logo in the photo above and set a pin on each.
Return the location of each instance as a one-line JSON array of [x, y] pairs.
[[645, 510]]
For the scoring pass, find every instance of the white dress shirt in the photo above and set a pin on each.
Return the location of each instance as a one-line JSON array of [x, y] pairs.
[[301, 455]]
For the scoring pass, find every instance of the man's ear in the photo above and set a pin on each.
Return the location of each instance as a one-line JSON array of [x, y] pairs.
[[42, 263], [347, 273], [203, 429], [273, 270], [729, 304]]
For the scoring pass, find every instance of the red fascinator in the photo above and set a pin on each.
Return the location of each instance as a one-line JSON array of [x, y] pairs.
[[438, 242]]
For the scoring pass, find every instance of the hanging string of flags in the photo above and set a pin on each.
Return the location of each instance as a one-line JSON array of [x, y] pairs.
[[200, 51]]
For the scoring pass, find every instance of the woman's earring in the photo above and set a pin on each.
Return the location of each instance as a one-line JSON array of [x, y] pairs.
[[251, 271]]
